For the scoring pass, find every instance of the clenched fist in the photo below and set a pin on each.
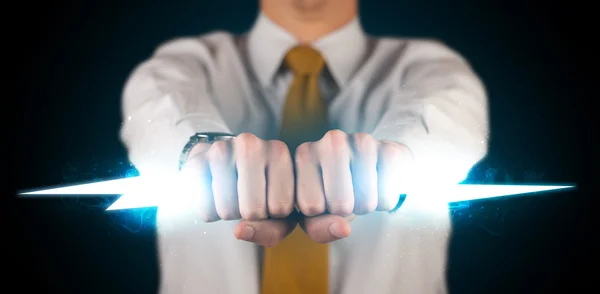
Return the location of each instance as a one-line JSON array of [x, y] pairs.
[[252, 180], [343, 175], [337, 177]]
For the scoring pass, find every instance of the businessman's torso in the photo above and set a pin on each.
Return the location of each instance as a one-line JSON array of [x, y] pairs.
[[385, 254]]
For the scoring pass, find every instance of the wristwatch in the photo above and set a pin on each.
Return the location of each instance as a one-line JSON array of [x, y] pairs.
[[209, 137]]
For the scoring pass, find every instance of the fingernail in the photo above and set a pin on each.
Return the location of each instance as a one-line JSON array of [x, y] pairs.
[[247, 233], [336, 230]]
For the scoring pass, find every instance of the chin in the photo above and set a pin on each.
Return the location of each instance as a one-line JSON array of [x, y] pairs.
[[310, 4]]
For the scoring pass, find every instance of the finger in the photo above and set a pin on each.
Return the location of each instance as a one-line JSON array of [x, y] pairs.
[[326, 228], [267, 233], [196, 171], [280, 180], [224, 180], [249, 152], [310, 196], [334, 156], [364, 173], [394, 164]]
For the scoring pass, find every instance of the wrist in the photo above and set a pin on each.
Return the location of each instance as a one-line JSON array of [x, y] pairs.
[[201, 142]]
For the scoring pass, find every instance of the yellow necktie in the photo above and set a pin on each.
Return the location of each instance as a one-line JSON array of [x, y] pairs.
[[298, 265]]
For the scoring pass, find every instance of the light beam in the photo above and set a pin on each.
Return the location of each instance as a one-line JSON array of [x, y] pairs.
[[139, 192]]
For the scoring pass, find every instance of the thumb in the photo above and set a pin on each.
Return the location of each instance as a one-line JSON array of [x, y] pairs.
[[326, 228], [267, 233]]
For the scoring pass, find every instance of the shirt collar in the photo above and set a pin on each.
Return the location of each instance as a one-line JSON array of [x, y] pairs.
[[342, 49]]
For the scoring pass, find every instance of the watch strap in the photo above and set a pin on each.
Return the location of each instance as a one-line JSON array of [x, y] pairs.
[[209, 137]]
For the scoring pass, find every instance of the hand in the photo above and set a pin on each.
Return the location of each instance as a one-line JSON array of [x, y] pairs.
[[252, 180], [344, 175]]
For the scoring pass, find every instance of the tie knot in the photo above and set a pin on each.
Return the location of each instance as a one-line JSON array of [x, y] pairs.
[[304, 60]]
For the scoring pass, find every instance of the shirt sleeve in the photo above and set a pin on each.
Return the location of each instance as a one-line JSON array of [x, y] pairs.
[[166, 100], [439, 111]]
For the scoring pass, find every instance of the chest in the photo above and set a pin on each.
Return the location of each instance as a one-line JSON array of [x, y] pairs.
[[250, 107]]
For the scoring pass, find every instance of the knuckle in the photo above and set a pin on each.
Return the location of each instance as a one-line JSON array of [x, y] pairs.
[[278, 150], [385, 206], [370, 206], [248, 140], [360, 136], [228, 215], [341, 208], [388, 204], [303, 154], [249, 146], [281, 209], [208, 217], [333, 144], [276, 146], [335, 137], [219, 151], [245, 137], [253, 214], [311, 209], [365, 143], [394, 151], [366, 207]]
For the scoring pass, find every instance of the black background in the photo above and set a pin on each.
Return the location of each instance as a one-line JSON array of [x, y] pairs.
[[73, 59]]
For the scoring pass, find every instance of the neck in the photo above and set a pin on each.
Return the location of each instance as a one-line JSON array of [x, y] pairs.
[[308, 25]]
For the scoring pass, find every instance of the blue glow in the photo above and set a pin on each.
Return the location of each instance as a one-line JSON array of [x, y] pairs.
[[459, 205], [178, 192], [132, 172]]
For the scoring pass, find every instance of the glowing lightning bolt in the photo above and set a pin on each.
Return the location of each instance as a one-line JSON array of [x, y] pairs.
[[138, 192]]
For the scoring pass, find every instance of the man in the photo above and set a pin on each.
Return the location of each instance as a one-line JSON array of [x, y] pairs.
[[331, 128]]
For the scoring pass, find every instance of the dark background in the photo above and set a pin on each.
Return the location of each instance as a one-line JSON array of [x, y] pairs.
[[74, 58]]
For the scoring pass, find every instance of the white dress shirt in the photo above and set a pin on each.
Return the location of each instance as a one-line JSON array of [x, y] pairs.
[[416, 92]]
